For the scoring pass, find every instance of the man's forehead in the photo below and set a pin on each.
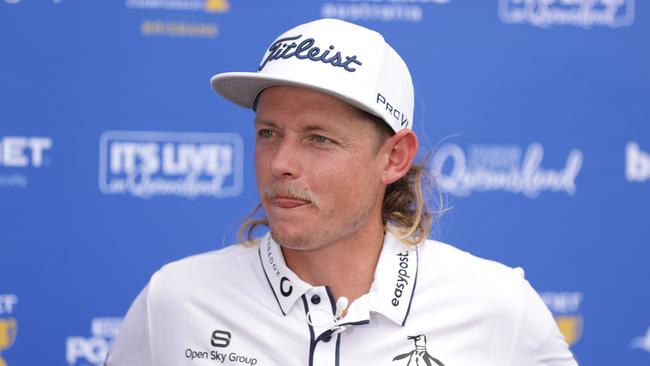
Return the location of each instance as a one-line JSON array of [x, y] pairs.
[[305, 94], [311, 108]]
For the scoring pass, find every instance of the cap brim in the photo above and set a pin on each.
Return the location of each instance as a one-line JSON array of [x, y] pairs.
[[242, 88]]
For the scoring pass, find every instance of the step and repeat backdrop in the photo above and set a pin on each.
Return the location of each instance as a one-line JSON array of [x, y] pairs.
[[116, 156]]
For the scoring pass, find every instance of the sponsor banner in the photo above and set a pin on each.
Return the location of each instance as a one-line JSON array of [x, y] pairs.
[[8, 325], [580, 13], [378, 10], [180, 28], [637, 163], [210, 6], [14, 2], [565, 307], [85, 351], [190, 165], [507, 168], [20, 154]]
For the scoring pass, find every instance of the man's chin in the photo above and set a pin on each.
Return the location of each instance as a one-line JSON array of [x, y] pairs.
[[297, 240]]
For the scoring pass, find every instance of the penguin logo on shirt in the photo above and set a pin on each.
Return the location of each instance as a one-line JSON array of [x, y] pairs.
[[419, 356]]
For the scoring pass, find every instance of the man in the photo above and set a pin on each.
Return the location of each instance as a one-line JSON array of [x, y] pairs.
[[346, 275]]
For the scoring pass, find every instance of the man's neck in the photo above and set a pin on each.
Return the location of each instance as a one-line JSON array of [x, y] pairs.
[[347, 266]]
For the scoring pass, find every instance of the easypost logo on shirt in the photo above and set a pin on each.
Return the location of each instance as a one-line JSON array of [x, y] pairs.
[[404, 278], [505, 168], [189, 165], [85, 351], [21, 154], [580, 13]]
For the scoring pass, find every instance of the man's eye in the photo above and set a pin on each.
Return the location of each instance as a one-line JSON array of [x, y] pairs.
[[320, 139], [265, 133]]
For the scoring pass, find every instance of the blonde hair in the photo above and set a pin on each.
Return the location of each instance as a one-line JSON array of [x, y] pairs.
[[404, 210]]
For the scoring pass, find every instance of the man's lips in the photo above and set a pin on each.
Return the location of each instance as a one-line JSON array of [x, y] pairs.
[[287, 202]]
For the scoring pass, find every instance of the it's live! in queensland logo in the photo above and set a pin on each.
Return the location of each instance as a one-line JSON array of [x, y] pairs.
[[580, 13], [507, 168], [191, 165]]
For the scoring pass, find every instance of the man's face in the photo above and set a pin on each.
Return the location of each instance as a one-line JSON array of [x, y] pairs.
[[317, 167]]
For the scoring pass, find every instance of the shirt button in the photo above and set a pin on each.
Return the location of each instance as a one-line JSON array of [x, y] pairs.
[[315, 299]]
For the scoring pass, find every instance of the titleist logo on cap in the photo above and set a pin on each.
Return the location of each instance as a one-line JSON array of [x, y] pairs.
[[285, 48]]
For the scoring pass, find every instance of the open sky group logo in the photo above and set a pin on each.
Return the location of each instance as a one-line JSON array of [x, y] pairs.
[[19, 155], [565, 307], [378, 10], [220, 352], [8, 324], [581, 13], [190, 165], [637, 163], [502, 168], [86, 351]]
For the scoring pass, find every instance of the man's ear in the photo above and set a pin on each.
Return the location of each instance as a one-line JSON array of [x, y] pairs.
[[403, 147]]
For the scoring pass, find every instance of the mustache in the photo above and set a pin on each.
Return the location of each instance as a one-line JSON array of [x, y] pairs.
[[291, 191]]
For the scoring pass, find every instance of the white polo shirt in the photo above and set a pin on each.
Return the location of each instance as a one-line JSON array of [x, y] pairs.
[[430, 305]]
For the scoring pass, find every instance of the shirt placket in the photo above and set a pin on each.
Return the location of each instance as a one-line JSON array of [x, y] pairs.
[[324, 339]]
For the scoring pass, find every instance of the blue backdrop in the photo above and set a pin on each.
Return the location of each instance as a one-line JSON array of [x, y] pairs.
[[116, 156]]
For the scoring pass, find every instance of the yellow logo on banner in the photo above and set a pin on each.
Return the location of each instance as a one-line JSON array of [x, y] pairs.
[[8, 330], [571, 327], [217, 6]]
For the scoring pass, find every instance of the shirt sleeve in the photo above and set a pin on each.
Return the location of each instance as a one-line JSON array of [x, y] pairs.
[[132, 347], [537, 338]]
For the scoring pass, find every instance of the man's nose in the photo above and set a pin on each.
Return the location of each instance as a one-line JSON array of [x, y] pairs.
[[285, 162]]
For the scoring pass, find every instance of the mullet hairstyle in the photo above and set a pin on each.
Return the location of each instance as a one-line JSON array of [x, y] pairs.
[[405, 212]]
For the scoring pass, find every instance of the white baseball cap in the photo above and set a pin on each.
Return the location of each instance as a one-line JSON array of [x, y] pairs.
[[347, 61]]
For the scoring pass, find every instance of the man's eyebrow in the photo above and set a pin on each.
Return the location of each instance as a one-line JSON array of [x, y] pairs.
[[311, 128], [258, 122], [307, 128]]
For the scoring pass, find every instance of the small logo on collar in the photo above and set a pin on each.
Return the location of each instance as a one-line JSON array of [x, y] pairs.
[[289, 288], [420, 355]]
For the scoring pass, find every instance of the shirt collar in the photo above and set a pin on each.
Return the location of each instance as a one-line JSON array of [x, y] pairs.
[[287, 287], [391, 292]]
